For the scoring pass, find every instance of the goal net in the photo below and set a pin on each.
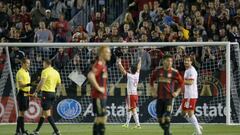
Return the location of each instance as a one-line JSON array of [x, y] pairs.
[[73, 61]]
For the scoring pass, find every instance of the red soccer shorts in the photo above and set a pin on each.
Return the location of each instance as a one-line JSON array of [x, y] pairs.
[[132, 101], [189, 104]]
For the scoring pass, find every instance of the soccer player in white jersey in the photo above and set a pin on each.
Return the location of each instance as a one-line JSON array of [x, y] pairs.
[[190, 94], [132, 95]]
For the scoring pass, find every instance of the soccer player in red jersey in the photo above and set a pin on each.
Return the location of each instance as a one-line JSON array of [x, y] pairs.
[[190, 94], [132, 94], [166, 78], [98, 78]]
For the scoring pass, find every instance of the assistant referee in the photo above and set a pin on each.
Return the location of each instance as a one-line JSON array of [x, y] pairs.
[[50, 80], [23, 83]]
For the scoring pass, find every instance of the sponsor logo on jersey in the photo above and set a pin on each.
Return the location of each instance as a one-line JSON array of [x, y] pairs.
[[69, 108]]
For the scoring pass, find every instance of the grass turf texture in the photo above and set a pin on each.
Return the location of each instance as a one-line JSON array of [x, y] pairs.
[[116, 129]]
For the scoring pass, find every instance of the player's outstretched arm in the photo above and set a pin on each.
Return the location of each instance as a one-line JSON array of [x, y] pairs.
[[139, 64], [119, 63], [93, 81]]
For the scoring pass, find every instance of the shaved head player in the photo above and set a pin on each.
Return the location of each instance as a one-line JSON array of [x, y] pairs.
[[98, 78]]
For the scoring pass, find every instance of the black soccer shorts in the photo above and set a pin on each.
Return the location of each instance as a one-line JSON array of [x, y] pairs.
[[164, 107], [48, 99], [23, 101], [99, 107]]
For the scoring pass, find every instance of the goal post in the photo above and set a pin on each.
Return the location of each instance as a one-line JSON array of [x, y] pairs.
[[118, 79]]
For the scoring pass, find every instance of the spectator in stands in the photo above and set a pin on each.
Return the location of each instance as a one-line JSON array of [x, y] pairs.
[[99, 37], [80, 35], [4, 21], [115, 37], [43, 35], [76, 6], [234, 35], [128, 19], [60, 59], [16, 55], [48, 18], [62, 28], [24, 15], [90, 27], [58, 8], [27, 33], [37, 14]]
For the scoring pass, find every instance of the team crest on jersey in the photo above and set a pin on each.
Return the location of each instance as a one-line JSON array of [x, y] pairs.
[[169, 75]]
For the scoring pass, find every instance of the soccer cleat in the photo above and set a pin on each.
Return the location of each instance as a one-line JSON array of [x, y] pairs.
[[137, 127], [58, 133], [18, 133], [25, 133], [125, 125], [35, 132]]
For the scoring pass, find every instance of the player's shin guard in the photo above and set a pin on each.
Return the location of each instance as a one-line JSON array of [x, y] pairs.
[[51, 121], [95, 129], [101, 129], [40, 123]]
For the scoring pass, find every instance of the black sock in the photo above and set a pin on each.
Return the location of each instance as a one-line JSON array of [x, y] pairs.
[[51, 121], [18, 125], [40, 123], [95, 129], [166, 128], [101, 129], [21, 123], [162, 125]]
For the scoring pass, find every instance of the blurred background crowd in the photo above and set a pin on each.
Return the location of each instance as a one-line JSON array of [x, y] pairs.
[[45, 21]]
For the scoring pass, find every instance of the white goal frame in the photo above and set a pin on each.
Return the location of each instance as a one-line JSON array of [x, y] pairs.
[[142, 44]]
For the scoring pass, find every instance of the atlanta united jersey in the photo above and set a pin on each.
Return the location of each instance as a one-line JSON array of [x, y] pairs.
[[191, 91], [132, 82], [166, 82], [101, 75]]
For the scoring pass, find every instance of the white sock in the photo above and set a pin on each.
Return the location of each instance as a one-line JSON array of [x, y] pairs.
[[136, 118], [188, 119], [194, 121], [129, 116]]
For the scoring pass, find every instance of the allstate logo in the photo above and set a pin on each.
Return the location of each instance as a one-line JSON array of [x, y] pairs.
[[69, 108], [152, 108]]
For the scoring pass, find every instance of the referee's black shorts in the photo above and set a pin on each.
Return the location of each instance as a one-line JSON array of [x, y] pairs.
[[23, 100], [48, 99], [163, 107], [99, 107]]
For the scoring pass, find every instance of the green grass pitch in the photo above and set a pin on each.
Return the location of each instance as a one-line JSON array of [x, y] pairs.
[[116, 129]]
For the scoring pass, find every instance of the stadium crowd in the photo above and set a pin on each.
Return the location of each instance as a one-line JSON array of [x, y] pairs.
[[44, 21]]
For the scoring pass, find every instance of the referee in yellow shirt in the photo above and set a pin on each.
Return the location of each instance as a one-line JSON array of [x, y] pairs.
[[23, 83], [50, 80]]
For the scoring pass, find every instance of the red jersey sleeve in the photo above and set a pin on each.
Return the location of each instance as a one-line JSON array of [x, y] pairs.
[[179, 79]]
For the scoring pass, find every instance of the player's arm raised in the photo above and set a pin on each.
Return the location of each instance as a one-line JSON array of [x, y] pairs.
[[92, 79], [119, 63], [139, 64]]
